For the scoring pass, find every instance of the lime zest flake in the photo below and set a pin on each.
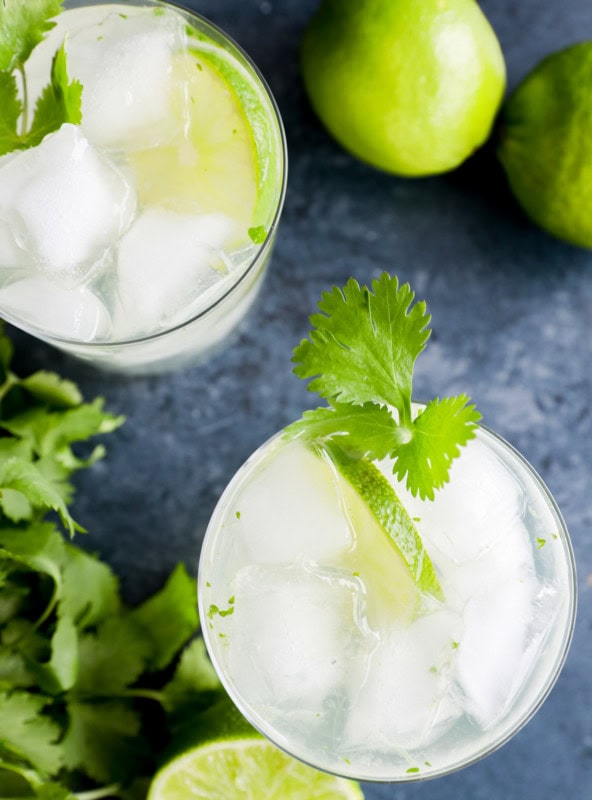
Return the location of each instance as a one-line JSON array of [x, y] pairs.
[[258, 234]]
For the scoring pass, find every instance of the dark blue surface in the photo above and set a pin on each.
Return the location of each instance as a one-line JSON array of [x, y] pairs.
[[511, 318]]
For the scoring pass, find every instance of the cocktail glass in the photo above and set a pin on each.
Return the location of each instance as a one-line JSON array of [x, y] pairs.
[[176, 278], [319, 638]]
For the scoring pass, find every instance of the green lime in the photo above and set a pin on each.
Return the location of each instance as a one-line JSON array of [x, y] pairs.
[[544, 144], [410, 87], [231, 761], [389, 586]]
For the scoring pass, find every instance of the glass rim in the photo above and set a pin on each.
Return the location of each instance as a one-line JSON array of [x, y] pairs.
[[262, 250], [482, 752]]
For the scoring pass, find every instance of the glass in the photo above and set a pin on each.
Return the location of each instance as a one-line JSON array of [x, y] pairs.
[[206, 323], [470, 672]]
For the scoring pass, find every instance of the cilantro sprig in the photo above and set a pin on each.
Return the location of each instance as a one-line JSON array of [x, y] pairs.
[[91, 690], [23, 25], [360, 357]]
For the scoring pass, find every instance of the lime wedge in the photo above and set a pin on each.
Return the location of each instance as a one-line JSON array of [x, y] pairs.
[[212, 165], [237, 763], [387, 510]]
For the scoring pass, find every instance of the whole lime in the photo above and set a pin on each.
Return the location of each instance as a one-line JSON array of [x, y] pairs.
[[545, 144], [409, 86]]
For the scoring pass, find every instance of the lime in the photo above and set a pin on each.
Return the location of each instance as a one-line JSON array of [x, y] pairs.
[[233, 762], [544, 144], [410, 87], [385, 578], [215, 169]]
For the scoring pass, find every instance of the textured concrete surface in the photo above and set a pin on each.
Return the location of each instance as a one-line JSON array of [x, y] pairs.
[[511, 318]]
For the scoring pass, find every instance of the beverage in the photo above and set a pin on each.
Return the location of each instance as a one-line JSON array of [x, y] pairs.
[[138, 238], [326, 643]]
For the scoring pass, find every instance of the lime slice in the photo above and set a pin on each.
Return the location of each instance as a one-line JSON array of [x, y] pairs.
[[381, 504], [212, 165], [237, 763]]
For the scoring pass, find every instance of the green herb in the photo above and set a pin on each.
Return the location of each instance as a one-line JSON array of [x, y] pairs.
[[541, 542], [258, 234], [412, 770], [91, 691], [360, 358], [22, 27]]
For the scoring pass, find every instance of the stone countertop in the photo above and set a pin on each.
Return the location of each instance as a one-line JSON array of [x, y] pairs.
[[511, 314]]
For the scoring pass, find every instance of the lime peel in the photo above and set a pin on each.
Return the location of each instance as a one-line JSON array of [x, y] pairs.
[[245, 767], [388, 510]]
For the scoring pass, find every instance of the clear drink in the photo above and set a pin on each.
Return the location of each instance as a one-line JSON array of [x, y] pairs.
[[138, 239], [325, 643]]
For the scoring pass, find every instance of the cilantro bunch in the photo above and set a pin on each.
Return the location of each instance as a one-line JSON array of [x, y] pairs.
[[91, 691], [23, 25], [360, 357]]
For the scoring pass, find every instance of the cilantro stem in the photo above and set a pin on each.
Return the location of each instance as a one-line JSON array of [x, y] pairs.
[[11, 380], [145, 694], [25, 89], [141, 694], [96, 794]]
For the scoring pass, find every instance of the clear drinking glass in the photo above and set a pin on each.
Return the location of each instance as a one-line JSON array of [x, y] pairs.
[[85, 310], [318, 637]]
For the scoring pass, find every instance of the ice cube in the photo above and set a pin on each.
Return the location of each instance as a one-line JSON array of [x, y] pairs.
[[304, 520], [125, 64], [166, 260], [406, 700], [75, 314], [294, 636], [11, 255], [479, 507], [494, 642], [65, 203]]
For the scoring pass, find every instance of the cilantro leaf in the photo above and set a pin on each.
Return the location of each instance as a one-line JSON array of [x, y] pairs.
[[11, 109], [53, 791], [102, 740], [51, 432], [364, 344], [27, 733], [194, 676], [60, 672], [22, 26], [12, 594], [15, 505], [51, 390], [60, 102], [438, 432], [14, 673], [360, 357], [112, 658], [24, 477], [40, 549], [369, 429], [169, 618], [100, 598]]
